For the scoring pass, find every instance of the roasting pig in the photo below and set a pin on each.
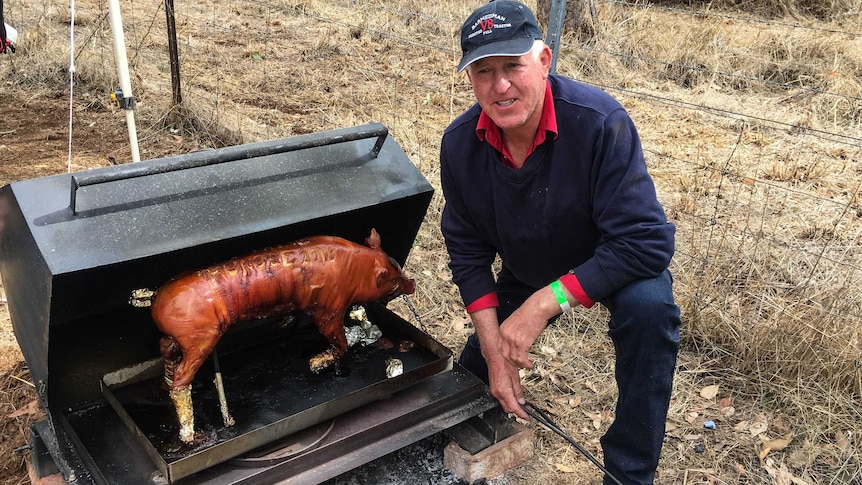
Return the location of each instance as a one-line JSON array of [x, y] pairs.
[[321, 276]]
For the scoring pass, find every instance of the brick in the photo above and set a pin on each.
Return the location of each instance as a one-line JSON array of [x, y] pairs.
[[55, 479], [493, 461]]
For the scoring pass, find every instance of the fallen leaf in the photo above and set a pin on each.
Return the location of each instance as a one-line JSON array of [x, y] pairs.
[[842, 441], [728, 411], [595, 417], [802, 459], [781, 475], [725, 402], [565, 468], [758, 428], [691, 417], [575, 401], [591, 386], [781, 426], [709, 392], [31, 408], [460, 323], [775, 445], [760, 425]]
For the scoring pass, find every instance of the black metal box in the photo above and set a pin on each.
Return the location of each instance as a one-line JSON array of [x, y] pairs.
[[74, 246]]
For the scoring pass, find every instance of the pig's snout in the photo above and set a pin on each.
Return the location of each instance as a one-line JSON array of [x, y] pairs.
[[407, 286]]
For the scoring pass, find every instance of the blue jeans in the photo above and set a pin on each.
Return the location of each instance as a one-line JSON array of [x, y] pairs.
[[644, 328]]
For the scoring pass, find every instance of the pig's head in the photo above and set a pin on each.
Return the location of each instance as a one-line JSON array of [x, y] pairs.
[[391, 282]]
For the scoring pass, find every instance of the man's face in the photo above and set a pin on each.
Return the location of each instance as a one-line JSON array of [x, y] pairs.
[[510, 89]]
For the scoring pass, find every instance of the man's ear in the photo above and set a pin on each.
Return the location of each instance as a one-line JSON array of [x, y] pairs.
[[545, 59]]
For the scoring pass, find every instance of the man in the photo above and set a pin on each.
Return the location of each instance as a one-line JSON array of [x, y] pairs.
[[549, 175]]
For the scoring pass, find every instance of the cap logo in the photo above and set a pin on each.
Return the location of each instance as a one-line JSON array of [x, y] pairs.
[[498, 28], [487, 25]]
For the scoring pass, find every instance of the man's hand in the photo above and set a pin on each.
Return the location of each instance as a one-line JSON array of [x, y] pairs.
[[503, 378], [505, 385], [523, 327]]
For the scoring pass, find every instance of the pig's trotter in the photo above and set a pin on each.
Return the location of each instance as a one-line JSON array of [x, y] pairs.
[[182, 399], [321, 361]]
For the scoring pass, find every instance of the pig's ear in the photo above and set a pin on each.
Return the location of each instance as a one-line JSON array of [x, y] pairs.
[[373, 240], [382, 273]]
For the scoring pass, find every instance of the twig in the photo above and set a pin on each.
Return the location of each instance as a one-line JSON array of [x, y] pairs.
[[8, 132], [24, 381]]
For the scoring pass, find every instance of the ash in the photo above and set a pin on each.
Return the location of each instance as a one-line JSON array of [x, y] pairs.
[[418, 464]]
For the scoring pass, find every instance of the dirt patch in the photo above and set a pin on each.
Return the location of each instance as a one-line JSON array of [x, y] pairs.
[[34, 138]]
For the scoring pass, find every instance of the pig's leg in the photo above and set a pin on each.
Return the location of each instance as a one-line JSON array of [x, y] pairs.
[[193, 357], [181, 396], [182, 399], [172, 356], [330, 326]]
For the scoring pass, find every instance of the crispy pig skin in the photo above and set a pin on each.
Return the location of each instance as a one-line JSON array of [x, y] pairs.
[[321, 276]]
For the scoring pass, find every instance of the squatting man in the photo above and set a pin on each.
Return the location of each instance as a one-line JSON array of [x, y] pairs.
[[548, 174]]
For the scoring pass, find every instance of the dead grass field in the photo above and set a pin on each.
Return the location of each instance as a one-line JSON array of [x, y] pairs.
[[753, 133]]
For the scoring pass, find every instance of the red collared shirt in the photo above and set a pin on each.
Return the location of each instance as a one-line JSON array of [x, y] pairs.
[[488, 131]]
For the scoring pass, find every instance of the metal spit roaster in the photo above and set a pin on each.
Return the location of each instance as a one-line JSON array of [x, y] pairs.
[[73, 247]]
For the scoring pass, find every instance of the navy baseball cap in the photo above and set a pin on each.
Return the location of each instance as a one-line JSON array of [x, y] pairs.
[[498, 28]]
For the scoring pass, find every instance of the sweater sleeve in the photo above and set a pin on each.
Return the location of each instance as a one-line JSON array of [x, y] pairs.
[[470, 257], [636, 240]]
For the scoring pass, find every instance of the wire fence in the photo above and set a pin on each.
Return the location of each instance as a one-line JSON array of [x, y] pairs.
[[765, 194]]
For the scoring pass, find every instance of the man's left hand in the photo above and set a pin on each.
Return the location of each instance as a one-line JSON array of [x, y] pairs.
[[523, 327]]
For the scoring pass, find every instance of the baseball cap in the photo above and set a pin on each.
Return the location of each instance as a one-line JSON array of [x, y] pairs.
[[498, 28]]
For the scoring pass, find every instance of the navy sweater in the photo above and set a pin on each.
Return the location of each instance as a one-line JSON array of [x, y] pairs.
[[582, 202]]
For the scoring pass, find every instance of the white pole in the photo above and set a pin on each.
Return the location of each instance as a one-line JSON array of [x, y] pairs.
[[126, 100]]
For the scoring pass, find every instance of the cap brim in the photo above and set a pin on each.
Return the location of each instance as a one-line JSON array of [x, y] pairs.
[[510, 48]]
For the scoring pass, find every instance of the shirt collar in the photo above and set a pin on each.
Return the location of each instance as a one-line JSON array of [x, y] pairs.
[[488, 131]]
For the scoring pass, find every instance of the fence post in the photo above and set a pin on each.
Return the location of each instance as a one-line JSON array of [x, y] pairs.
[[555, 28], [124, 98], [177, 95]]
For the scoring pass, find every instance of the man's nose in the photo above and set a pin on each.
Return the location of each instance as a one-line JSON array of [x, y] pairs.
[[502, 84]]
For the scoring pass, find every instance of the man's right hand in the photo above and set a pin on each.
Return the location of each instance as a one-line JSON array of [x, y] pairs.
[[503, 377], [505, 385]]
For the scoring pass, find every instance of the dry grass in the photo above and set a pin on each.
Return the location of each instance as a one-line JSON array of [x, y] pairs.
[[752, 132], [19, 409]]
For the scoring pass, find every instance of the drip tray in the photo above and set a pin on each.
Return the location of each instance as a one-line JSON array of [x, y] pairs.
[[271, 393]]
